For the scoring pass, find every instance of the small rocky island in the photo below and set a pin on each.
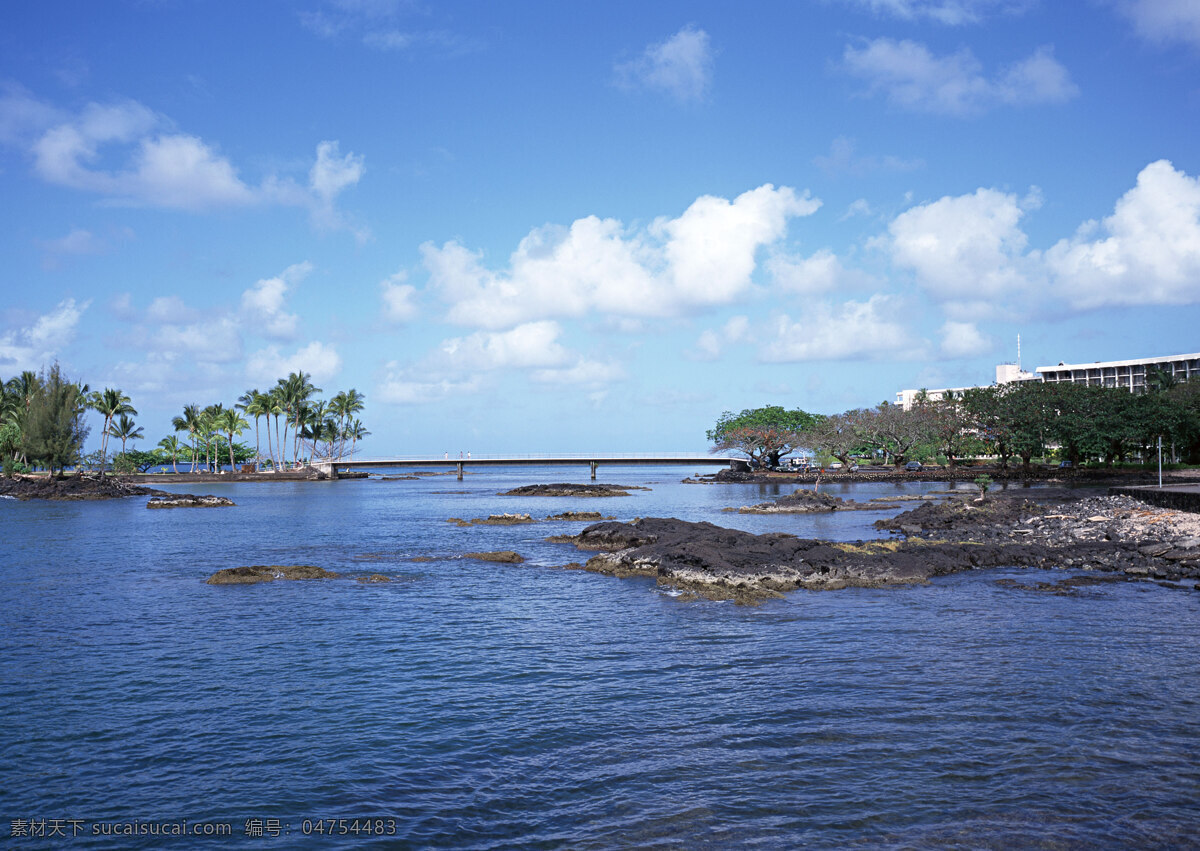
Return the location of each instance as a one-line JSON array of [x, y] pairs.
[[803, 501], [1114, 535], [563, 489], [72, 488], [187, 500]]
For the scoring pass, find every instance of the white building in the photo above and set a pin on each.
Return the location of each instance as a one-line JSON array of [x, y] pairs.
[[1130, 374]]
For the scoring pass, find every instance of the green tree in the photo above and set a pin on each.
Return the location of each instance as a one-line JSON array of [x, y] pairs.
[[230, 422], [763, 434], [54, 431], [125, 429], [109, 403], [191, 421], [171, 448]]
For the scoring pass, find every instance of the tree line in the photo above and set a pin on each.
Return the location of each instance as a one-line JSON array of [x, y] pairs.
[[1012, 422], [42, 424]]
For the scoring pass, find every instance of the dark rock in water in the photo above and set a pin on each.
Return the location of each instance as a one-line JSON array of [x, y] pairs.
[[804, 501], [187, 500], [503, 556], [374, 577], [268, 573], [573, 490], [71, 488], [494, 520], [580, 515]]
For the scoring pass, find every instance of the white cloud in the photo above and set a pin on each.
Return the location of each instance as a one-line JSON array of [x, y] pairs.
[[263, 303], [534, 344], [329, 175], [963, 339], [842, 159], [22, 116], [822, 272], [398, 389], [966, 250], [129, 154], [267, 365], [702, 258], [874, 329], [950, 12], [397, 298], [712, 342], [34, 346], [913, 78], [78, 241], [585, 373], [681, 66], [169, 308], [213, 341], [1164, 20], [1148, 251]]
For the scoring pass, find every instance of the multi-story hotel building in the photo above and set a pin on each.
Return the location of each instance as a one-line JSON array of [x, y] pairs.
[[1130, 374]]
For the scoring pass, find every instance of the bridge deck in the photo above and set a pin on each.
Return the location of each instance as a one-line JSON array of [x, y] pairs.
[[591, 461]]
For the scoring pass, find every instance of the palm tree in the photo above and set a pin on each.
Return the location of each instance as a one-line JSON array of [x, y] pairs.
[[189, 422], [251, 403], [345, 405], [110, 403], [357, 432], [230, 422], [298, 390], [210, 419], [170, 446], [124, 428]]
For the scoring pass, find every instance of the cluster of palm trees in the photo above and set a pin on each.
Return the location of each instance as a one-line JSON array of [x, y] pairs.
[[318, 429]]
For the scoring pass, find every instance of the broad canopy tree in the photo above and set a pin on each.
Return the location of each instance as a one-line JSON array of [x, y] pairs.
[[764, 435]]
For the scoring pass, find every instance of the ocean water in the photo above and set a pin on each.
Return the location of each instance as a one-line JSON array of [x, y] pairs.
[[475, 705]]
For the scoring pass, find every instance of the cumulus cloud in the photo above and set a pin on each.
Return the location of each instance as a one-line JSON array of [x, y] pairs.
[[854, 330], [950, 12], [963, 339], [130, 154], [821, 272], [585, 373], [1146, 252], [702, 258], [913, 78], [263, 304], [534, 344], [34, 346], [1164, 20], [397, 298], [681, 66], [968, 251], [320, 360]]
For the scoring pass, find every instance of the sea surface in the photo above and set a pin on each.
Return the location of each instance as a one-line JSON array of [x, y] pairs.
[[467, 704]]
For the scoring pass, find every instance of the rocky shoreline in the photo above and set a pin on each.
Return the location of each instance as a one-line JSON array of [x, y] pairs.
[[1113, 535]]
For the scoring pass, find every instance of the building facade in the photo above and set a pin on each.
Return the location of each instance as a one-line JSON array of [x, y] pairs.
[[1129, 374]]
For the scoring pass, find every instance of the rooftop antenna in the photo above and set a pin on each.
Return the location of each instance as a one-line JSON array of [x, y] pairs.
[[1018, 353]]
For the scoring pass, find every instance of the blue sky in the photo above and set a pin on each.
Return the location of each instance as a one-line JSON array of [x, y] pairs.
[[538, 227]]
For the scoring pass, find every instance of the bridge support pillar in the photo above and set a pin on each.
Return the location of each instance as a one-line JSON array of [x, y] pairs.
[[593, 463], [460, 471]]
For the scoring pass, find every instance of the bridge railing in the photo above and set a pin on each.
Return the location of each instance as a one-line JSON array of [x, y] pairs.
[[550, 456]]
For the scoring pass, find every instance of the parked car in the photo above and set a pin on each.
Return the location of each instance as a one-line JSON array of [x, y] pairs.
[[913, 466], [1065, 465]]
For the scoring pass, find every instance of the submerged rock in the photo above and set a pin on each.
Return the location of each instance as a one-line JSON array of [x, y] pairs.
[[374, 577], [503, 556], [268, 573], [562, 489], [187, 500]]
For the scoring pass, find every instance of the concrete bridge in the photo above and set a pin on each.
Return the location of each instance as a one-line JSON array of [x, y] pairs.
[[331, 467]]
